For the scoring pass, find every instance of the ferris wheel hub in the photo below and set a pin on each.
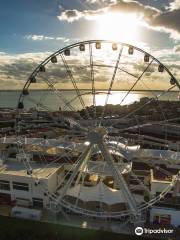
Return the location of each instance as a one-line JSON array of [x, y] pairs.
[[81, 110], [97, 135]]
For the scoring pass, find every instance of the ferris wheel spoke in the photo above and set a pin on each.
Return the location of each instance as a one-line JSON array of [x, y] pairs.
[[62, 181], [42, 106], [111, 84], [135, 83], [92, 80], [61, 97], [81, 185], [121, 69], [63, 156], [42, 98], [148, 102], [155, 97], [158, 168], [70, 75], [116, 148], [55, 161], [73, 99], [83, 158], [82, 168], [142, 185], [44, 95], [117, 140], [38, 104], [149, 124], [58, 93], [119, 180]]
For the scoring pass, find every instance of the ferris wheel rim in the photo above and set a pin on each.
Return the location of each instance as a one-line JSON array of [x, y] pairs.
[[61, 50], [141, 207], [43, 63]]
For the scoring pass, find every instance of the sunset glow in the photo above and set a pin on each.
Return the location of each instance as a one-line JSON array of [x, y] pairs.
[[120, 27]]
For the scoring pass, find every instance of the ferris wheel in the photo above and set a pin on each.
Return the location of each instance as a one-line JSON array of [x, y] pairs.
[[109, 108]]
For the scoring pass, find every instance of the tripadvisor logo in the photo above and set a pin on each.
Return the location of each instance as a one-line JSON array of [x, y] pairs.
[[139, 231]]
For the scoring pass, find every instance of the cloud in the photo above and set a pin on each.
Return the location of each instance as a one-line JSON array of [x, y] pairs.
[[120, 6], [133, 7], [167, 20], [70, 15], [16, 68], [177, 48], [42, 37], [101, 1], [74, 15], [175, 5], [62, 39], [34, 37]]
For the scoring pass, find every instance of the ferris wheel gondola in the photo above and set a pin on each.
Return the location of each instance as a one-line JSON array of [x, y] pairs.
[[108, 187]]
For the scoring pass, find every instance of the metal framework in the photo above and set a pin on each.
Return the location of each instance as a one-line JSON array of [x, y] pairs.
[[96, 134]]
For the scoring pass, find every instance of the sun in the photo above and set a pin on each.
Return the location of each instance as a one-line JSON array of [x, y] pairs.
[[118, 27]]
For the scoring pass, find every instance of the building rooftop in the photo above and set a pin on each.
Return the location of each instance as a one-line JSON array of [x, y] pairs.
[[18, 169], [164, 175]]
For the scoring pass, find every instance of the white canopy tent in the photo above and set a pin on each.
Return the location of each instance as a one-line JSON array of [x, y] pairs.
[[99, 193]]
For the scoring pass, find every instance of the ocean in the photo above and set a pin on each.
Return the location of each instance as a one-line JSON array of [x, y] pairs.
[[9, 99]]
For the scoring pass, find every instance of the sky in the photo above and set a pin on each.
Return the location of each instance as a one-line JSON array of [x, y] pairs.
[[31, 30]]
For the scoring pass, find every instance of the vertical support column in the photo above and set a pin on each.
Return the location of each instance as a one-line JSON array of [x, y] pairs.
[[83, 158], [119, 178]]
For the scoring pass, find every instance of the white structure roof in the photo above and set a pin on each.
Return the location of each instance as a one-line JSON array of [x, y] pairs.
[[100, 193], [18, 169], [129, 152]]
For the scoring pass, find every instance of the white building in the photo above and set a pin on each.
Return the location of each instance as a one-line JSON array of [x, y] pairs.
[[167, 210], [26, 190], [162, 215]]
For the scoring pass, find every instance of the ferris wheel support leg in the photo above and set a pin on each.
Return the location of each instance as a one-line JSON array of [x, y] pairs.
[[83, 158], [83, 166], [79, 175], [138, 220], [65, 215], [119, 178]]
